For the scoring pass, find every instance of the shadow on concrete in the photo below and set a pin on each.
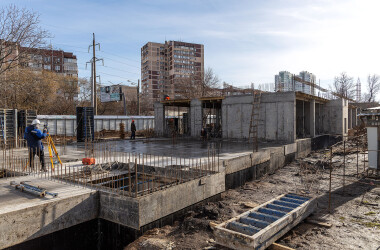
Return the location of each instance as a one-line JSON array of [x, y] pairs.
[[341, 196]]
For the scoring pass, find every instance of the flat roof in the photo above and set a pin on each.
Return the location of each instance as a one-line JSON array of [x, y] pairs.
[[307, 97], [186, 102]]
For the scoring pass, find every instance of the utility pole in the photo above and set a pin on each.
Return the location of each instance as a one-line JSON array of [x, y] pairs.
[[94, 73], [93, 61]]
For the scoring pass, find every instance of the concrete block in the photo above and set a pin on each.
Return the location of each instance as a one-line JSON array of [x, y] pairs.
[[290, 148], [303, 147], [277, 159]]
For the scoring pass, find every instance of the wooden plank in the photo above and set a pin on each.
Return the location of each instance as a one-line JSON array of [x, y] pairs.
[[213, 224], [318, 223], [250, 204], [276, 246]]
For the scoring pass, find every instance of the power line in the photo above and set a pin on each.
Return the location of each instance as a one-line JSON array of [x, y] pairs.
[[114, 75], [71, 46], [121, 62], [120, 70], [120, 56]]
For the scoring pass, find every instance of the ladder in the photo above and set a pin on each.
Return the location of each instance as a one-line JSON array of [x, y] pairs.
[[254, 123]]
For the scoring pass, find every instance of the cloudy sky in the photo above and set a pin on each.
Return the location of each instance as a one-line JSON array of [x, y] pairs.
[[245, 41]]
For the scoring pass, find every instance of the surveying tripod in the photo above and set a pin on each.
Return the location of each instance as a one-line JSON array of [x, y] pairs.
[[51, 148]]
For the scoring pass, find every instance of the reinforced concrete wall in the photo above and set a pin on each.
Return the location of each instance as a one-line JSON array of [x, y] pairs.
[[196, 113], [335, 120], [167, 201], [253, 166], [159, 119], [276, 121], [352, 117], [138, 212]]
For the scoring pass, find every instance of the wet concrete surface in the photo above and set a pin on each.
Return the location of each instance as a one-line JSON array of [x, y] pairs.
[[184, 148], [181, 148]]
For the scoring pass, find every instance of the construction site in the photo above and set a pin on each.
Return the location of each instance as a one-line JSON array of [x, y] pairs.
[[250, 170]]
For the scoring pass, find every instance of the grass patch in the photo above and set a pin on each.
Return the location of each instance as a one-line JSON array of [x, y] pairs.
[[371, 224], [370, 213], [341, 218]]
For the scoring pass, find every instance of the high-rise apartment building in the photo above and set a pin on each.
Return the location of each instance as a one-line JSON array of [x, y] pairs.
[[165, 64], [285, 81], [308, 77], [57, 61]]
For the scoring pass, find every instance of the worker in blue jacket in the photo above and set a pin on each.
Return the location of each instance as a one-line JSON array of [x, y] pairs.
[[33, 137]]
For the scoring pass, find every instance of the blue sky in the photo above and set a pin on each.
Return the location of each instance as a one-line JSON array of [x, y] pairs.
[[245, 41]]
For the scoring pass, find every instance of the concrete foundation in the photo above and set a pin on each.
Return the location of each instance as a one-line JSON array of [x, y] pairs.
[[76, 205], [25, 217]]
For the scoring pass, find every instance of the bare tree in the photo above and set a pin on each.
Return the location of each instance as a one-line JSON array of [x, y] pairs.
[[198, 85], [373, 86], [344, 85], [19, 33]]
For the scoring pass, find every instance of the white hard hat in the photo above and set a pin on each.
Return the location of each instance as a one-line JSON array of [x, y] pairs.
[[36, 121]]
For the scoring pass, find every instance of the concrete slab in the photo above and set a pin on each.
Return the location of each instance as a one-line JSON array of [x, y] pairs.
[[24, 216]]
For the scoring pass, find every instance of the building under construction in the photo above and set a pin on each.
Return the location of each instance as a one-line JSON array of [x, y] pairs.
[[204, 147], [281, 116]]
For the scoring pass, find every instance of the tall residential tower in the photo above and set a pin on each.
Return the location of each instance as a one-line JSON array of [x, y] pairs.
[[162, 64]]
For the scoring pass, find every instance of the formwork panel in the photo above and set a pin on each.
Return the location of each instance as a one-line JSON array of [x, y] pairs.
[[259, 227]]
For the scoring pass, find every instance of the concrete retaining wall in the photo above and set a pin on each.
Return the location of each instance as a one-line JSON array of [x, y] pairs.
[[253, 166], [137, 212], [33, 222], [119, 209], [162, 203]]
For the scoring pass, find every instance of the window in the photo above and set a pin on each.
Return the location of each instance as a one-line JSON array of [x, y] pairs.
[[47, 67], [57, 67]]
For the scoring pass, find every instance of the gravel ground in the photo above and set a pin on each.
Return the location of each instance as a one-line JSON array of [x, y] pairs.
[[354, 216]]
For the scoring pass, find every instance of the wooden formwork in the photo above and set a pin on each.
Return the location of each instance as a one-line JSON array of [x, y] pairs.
[[261, 226]]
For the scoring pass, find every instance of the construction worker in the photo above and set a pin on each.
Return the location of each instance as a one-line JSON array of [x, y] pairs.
[[133, 130], [33, 137]]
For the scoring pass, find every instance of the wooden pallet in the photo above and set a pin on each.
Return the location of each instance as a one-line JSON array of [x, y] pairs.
[[261, 226]]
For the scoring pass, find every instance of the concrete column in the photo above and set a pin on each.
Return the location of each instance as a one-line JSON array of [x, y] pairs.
[[350, 118], [159, 119], [312, 118], [196, 114]]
